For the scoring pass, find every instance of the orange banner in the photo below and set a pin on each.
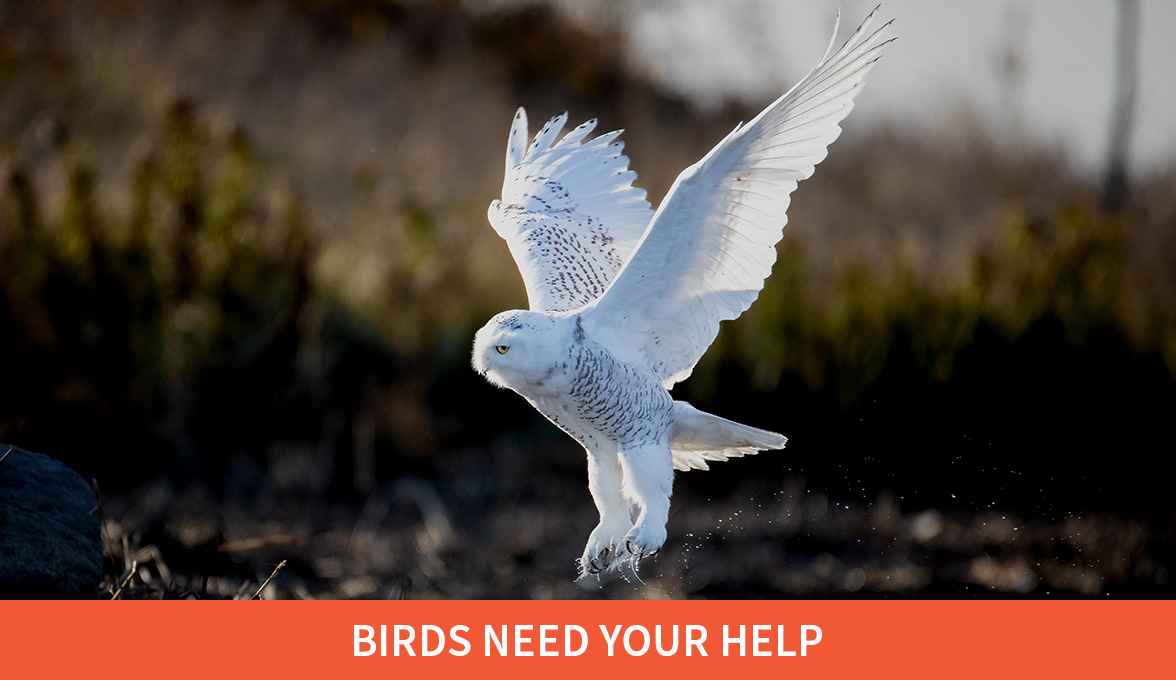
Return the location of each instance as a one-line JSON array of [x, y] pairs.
[[911, 639]]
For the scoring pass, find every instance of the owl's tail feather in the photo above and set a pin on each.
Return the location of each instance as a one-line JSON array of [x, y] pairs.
[[698, 437]]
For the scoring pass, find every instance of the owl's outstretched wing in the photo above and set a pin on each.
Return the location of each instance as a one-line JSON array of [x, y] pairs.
[[569, 212], [712, 242]]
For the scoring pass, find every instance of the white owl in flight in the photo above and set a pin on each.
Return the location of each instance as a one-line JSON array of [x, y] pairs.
[[624, 300]]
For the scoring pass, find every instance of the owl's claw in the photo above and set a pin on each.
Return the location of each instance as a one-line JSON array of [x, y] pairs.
[[609, 550], [627, 552], [636, 551], [595, 564]]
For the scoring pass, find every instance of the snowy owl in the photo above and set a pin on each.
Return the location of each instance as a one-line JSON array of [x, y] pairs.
[[624, 300]]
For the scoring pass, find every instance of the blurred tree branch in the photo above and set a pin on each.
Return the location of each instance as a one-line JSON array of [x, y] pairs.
[[1115, 184]]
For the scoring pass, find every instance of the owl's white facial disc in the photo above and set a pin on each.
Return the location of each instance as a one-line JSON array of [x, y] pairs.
[[520, 350]]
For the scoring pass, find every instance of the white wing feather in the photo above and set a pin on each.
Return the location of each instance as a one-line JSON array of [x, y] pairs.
[[712, 242], [569, 212]]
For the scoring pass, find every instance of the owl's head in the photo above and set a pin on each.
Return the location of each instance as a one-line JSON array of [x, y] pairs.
[[520, 350]]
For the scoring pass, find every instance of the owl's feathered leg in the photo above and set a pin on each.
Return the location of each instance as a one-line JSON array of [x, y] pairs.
[[604, 481], [648, 482]]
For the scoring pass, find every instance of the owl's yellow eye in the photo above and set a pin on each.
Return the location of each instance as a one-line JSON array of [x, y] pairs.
[[502, 349]]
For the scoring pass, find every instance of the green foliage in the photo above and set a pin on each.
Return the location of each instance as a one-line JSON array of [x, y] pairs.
[[125, 314], [1067, 264]]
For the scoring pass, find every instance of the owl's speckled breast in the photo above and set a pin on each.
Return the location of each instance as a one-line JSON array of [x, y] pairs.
[[608, 398]]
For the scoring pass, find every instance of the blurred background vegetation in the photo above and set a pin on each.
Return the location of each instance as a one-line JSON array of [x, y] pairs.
[[243, 252]]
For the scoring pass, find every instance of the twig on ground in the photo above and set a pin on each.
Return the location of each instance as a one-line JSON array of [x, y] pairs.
[[243, 544], [271, 577], [127, 576]]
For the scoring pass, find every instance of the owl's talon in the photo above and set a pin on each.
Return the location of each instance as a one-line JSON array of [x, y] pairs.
[[591, 565], [636, 553]]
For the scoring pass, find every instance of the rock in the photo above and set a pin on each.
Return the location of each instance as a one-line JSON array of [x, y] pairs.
[[50, 531]]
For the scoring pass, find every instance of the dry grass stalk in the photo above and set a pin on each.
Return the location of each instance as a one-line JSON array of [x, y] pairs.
[[126, 578], [257, 595]]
